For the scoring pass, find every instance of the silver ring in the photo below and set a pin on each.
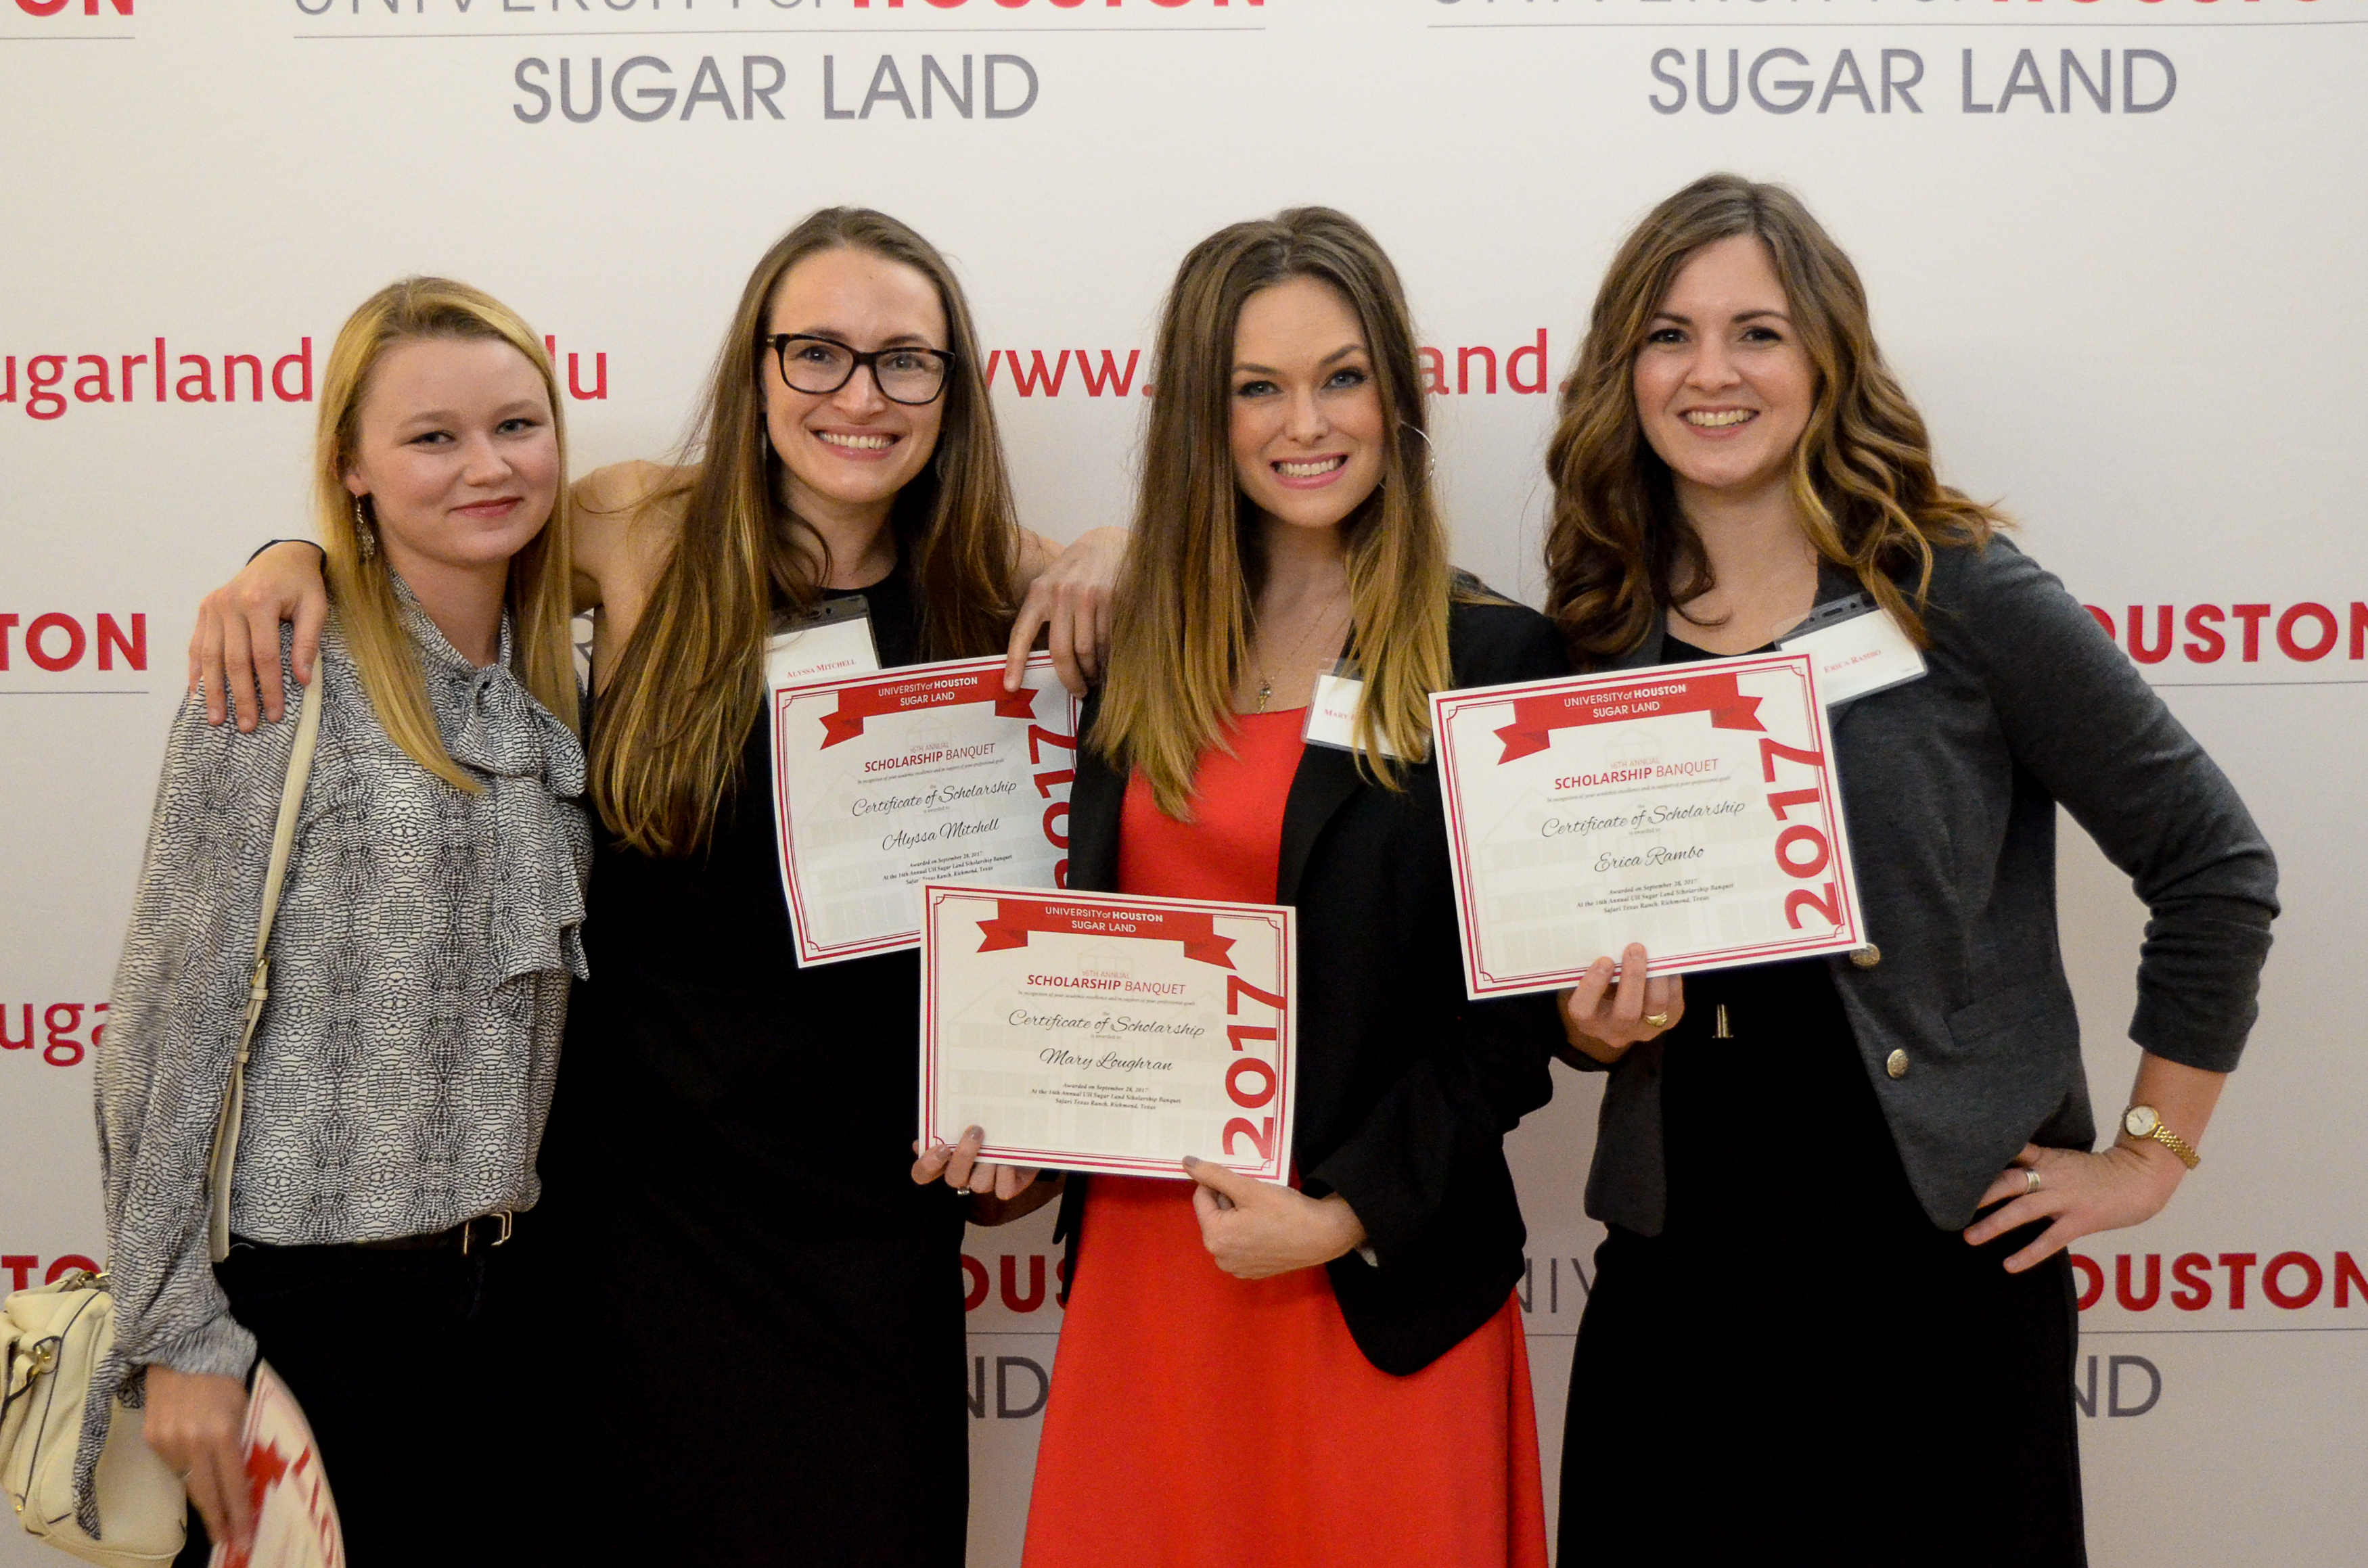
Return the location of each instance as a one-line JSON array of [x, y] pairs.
[[2030, 1180]]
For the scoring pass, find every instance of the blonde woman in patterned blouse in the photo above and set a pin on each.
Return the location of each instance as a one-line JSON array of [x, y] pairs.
[[421, 961]]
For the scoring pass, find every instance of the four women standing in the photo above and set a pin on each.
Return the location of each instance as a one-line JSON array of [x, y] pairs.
[[1731, 454]]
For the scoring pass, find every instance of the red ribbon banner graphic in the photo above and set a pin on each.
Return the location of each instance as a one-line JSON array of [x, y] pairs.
[[1015, 917], [857, 704], [1536, 718]]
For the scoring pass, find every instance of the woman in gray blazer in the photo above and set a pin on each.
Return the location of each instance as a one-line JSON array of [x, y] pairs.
[[1834, 1316]]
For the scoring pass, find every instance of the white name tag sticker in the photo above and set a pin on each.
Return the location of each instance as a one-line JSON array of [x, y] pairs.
[[835, 640], [1859, 649], [1332, 711]]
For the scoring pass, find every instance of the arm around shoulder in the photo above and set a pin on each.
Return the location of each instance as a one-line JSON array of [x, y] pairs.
[[237, 631], [623, 529]]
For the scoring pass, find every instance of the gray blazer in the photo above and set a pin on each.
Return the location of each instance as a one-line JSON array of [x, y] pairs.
[[1950, 785]]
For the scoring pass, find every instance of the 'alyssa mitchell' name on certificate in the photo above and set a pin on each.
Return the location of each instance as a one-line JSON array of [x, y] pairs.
[[931, 773]]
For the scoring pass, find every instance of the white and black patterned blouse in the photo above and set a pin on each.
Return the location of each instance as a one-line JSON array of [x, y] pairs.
[[420, 966]]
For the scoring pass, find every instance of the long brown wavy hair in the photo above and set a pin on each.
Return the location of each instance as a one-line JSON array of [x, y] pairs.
[[1862, 481], [688, 685], [1193, 566], [362, 587]]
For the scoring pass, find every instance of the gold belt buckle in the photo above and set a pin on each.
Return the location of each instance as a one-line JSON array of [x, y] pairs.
[[469, 1229]]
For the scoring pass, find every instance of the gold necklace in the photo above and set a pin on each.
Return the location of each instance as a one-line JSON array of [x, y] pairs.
[[1266, 681]]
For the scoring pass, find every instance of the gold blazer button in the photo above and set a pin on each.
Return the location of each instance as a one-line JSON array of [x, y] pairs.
[[1895, 1064], [1866, 957]]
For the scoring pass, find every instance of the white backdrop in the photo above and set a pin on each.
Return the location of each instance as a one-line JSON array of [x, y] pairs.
[[2128, 308]]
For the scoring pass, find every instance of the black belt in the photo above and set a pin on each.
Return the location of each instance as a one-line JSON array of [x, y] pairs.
[[484, 1231]]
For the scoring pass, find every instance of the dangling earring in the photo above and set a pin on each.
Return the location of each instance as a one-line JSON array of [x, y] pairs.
[[365, 536]]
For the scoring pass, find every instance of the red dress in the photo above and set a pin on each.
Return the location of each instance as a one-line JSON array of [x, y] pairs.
[[1200, 1420]]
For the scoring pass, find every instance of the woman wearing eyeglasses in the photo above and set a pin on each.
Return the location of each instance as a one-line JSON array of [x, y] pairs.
[[758, 1314]]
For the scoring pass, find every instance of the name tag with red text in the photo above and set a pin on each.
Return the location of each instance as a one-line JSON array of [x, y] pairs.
[[1332, 711], [1858, 648], [833, 639]]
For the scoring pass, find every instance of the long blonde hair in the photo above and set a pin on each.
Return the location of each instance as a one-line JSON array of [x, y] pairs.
[[1862, 482], [1192, 566], [540, 575], [688, 685]]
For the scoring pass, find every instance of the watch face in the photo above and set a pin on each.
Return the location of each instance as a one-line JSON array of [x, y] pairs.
[[2141, 1120]]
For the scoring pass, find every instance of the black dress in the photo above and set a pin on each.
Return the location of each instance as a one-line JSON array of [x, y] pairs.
[[766, 1312], [1802, 1366]]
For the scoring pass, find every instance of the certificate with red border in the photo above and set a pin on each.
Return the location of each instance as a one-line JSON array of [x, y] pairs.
[[1690, 807], [1102, 1033], [296, 1523], [884, 781]]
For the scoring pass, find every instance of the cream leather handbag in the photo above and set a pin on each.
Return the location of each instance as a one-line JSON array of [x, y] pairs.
[[57, 1337]]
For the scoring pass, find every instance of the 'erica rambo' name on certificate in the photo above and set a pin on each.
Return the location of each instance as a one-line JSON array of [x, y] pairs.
[[1692, 808]]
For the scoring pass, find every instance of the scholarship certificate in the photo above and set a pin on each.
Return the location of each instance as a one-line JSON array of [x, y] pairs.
[[296, 1523], [884, 781], [1691, 807], [1100, 1032]]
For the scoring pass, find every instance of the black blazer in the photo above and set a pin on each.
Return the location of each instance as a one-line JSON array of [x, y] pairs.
[[1406, 1089]]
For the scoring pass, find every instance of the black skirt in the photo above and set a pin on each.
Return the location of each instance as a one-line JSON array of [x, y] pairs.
[[1802, 1366]]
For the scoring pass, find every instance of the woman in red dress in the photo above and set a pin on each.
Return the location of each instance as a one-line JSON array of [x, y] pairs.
[[1331, 1371]]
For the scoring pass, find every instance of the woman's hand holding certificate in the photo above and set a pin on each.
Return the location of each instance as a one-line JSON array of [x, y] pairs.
[[1690, 808]]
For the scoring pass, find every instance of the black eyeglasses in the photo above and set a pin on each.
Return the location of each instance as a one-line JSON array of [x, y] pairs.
[[819, 366]]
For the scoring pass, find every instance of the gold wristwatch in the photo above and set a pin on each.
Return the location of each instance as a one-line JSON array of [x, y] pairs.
[[2145, 1121]]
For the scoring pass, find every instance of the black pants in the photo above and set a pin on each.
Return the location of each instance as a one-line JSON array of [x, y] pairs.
[[401, 1360]]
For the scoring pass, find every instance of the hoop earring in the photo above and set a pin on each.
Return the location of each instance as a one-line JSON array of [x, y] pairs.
[[365, 534], [1429, 452]]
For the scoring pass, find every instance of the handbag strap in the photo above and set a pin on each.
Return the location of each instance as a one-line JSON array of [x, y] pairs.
[[224, 1153]]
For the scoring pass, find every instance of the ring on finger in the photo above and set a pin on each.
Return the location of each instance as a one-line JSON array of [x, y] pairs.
[[2030, 1180], [1659, 1020]]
